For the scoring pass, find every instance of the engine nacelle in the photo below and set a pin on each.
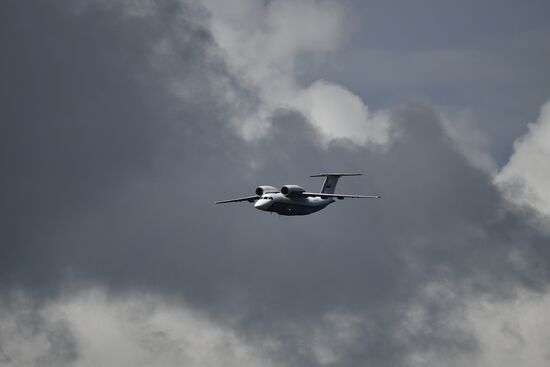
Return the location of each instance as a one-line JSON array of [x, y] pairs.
[[292, 190], [260, 190]]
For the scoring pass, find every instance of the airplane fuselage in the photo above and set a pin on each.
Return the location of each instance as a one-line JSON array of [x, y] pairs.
[[283, 205]]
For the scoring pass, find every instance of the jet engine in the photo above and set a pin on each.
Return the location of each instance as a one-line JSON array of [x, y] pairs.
[[292, 190], [260, 190]]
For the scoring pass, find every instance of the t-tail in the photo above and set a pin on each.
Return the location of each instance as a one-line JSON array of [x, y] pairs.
[[331, 180]]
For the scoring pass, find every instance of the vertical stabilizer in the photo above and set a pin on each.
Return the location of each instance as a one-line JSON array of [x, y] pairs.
[[331, 180]]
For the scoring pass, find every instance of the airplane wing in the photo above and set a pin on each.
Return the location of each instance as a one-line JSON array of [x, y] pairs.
[[339, 196], [250, 199]]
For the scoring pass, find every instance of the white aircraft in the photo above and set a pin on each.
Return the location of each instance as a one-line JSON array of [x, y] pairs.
[[295, 200]]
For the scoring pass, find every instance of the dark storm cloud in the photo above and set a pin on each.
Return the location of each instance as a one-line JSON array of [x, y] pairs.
[[76, 122], [108, 177]]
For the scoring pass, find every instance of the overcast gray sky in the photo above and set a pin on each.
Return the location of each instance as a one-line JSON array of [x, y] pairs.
[[123, 121]]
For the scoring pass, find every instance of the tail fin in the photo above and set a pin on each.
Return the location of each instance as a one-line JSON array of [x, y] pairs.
[[331, 180]]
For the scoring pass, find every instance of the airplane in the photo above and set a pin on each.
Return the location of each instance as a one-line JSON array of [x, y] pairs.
[[295, 200]]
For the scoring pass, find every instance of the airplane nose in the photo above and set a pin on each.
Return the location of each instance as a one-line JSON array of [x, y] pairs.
[[261, 204]]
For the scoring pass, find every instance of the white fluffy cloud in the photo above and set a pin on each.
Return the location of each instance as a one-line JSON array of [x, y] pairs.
[[339, 113], [262, 43], [507, 332], [512, 332], [525, 179], [92, 329]]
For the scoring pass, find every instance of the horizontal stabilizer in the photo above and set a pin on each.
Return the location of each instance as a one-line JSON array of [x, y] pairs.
[[335, 174]]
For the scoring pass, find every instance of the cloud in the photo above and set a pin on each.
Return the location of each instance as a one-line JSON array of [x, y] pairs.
[[91, 328], [263, 43], [512, 332], [433, 54], [111, 175], [472, 142], [340, 114], [30, 338], [509, 332], [525, 179]]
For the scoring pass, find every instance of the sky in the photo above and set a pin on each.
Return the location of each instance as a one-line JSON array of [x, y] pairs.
[[123, 121]]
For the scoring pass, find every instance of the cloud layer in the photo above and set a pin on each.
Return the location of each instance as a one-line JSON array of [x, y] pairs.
[[91, 328]]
